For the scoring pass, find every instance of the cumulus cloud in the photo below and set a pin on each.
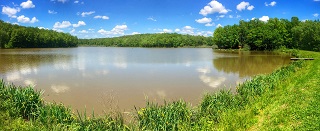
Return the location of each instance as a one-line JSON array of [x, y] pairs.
[[52, 12], [135, 33], [273, 3], [204, 20], [83, 31], [250, 7], [11, 12], [316, 15], [23, 19], [76, 2], [209, 24], [167, 31], [244, 5], [101, 17], [72, 31], [219, 25], [84, 14], [264, 18], [117, 30], [64, 24], [27, 4], [187, 30], [80, 23], [213, 7]]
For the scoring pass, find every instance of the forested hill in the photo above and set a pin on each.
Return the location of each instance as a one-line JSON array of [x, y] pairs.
[[273, 34], [15, 36], [151, 40]]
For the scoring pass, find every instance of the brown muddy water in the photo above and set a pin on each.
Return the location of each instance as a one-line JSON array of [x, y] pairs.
[[104, 79]]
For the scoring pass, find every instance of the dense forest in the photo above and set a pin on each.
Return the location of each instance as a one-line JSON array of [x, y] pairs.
[[251, 35], [151, 40], [15, 36], [273, 34]]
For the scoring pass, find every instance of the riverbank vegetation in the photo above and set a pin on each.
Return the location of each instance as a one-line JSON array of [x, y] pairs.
[[151, 40], [15, 36], [287, 99], [273, 34]]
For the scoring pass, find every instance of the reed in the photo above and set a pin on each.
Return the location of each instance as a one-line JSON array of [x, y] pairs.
[[163, 117]]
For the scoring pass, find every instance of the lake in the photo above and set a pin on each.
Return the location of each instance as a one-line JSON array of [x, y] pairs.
[[106, 78]]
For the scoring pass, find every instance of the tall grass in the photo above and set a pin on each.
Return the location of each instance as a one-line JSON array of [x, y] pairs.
[[163, 117], [26, 103]]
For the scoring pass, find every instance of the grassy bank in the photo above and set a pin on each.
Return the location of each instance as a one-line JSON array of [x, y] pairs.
[[287, 99]]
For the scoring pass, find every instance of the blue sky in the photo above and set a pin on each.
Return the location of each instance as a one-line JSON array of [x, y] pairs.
[[110, 18]]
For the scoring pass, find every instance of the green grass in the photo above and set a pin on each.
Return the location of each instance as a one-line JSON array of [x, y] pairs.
[[287, 99]]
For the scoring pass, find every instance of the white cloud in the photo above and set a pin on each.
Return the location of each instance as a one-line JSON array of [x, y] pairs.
[[264, 18], [57, 30], [83, 31], [72, 31], [23, 19], [230, 16], [64, 24], [213, 7], [187, 30], [84, 14], [204, 20], [244, 5], [177, 30], [316, 0], [101, 17], [62, 1], [27, 4], [52, 12], [219, 25], [250, 7], [167, 30], [316, 15], [273, 3], [80, 23], [117, 30], [76, 2], [11, 12], [43, 28], [209, 24], [135, 33], [152, 19]]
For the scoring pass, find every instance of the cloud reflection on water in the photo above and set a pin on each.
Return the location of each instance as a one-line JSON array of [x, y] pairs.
[[30, 82], [211, 81], [60, 88]]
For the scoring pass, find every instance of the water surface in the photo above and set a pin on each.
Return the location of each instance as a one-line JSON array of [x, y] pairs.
[[103, 78]]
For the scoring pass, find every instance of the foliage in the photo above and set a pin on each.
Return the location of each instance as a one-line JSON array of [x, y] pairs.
[[270, 35], [21, 108], [163, 117], [14, 36], [150, 40]]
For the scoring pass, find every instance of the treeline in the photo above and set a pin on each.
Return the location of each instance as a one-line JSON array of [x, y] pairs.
[[150, 40], [15, 36], [273, 34]]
